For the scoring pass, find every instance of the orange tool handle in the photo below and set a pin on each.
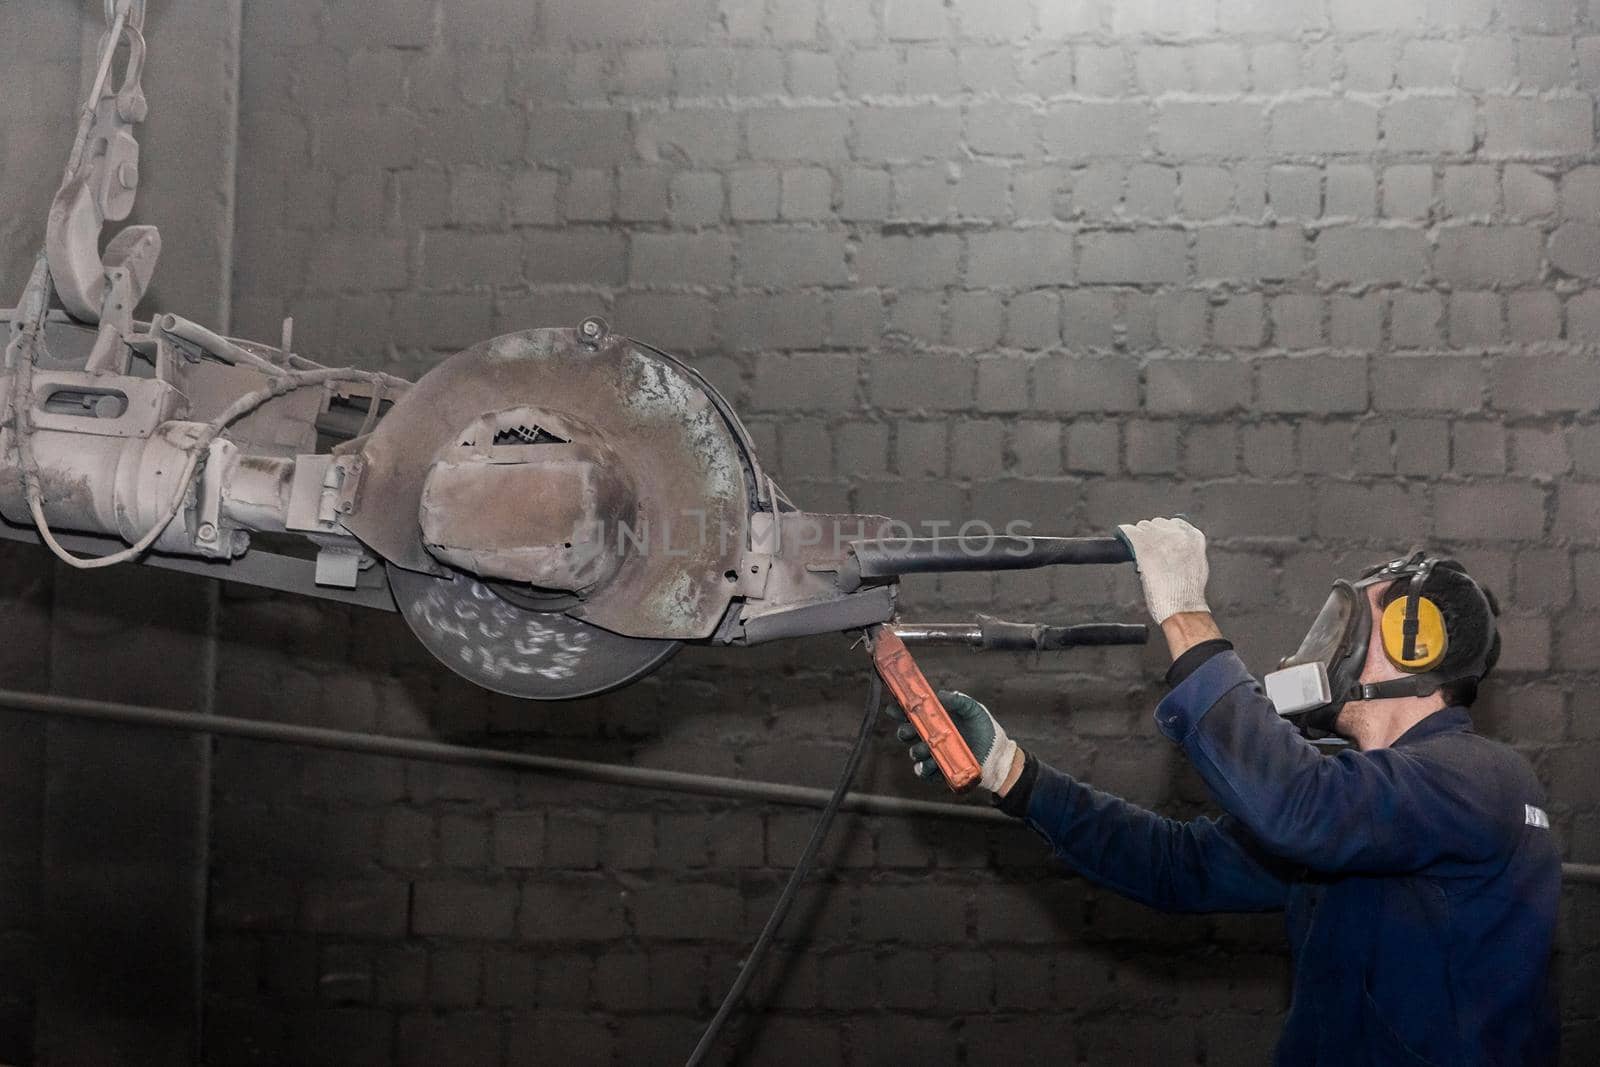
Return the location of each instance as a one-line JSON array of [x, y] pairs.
[[913, 693]]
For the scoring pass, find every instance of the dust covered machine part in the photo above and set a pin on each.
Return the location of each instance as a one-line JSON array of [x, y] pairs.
[[559, 510], [594, 468], [554, 511]]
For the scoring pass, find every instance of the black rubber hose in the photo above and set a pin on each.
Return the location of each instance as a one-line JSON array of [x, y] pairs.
[[747, 971], [887, 557]]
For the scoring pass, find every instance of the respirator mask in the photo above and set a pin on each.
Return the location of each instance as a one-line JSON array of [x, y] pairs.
[[1324, 673]]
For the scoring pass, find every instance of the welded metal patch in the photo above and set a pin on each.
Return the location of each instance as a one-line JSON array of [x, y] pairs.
[[541, 523]]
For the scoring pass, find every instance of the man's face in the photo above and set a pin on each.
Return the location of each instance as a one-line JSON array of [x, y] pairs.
[[1377, 667]]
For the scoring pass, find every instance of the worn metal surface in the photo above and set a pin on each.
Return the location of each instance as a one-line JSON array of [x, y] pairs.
[[853, 612], [513, 650], [690, 499], [110, 444], [260, 568], [108, 407], [530, 496], [790, 577]]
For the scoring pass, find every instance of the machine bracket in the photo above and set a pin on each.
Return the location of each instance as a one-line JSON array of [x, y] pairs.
[[339, 566]]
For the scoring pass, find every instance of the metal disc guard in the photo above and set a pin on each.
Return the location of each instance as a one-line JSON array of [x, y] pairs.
[[688, 470]]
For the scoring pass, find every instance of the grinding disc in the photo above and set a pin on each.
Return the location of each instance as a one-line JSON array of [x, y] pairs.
[[513, 650]]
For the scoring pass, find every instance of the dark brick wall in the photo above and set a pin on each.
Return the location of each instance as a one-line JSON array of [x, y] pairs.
[[24, 664], [39, 59], [103, 831], [1316, 273], [1319, 273]]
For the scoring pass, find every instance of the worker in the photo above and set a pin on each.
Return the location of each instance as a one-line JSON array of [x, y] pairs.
[[1416, 867]]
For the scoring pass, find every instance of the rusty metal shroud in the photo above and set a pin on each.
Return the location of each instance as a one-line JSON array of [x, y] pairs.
[[678, 533]]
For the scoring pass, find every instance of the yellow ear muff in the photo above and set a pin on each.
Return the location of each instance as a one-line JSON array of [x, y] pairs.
[[1431, 637]]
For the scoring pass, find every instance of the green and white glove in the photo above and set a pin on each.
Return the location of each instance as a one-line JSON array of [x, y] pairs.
[[990, 746], [1171, 557]]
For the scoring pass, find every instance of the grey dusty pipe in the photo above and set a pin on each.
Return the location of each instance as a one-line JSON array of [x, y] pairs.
[[582, 770], [467, 755]]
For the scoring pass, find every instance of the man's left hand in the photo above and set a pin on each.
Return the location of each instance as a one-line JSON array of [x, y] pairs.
[[994, 751]]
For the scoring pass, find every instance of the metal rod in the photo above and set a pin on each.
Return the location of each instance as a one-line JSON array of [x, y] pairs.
[[993, 634], [939, 633], [583, 770], [441, 752], [213, 344]]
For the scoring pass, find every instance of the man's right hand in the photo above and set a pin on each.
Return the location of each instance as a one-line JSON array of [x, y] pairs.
[[1170, 555], [997, 754]]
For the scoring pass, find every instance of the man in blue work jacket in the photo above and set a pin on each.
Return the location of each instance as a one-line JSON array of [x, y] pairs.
[[1415, 867]]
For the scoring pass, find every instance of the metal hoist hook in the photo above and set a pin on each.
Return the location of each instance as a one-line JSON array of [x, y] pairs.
[[101, 182]]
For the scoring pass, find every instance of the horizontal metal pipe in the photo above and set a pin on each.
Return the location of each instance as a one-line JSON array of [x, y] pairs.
[[441, 752], [583, 770], [997, 634], [938, 633]]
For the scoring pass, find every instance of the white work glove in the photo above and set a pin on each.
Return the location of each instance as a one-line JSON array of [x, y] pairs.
[[990, 746], [1171, 558]]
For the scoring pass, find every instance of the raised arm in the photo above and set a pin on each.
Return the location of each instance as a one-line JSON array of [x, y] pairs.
[[1385, 811]]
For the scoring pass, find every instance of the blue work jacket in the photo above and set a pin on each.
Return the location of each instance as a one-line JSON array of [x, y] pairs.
[[1420, 882]]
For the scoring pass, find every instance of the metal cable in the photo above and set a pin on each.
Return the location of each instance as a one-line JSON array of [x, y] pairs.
[[780, 910]]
